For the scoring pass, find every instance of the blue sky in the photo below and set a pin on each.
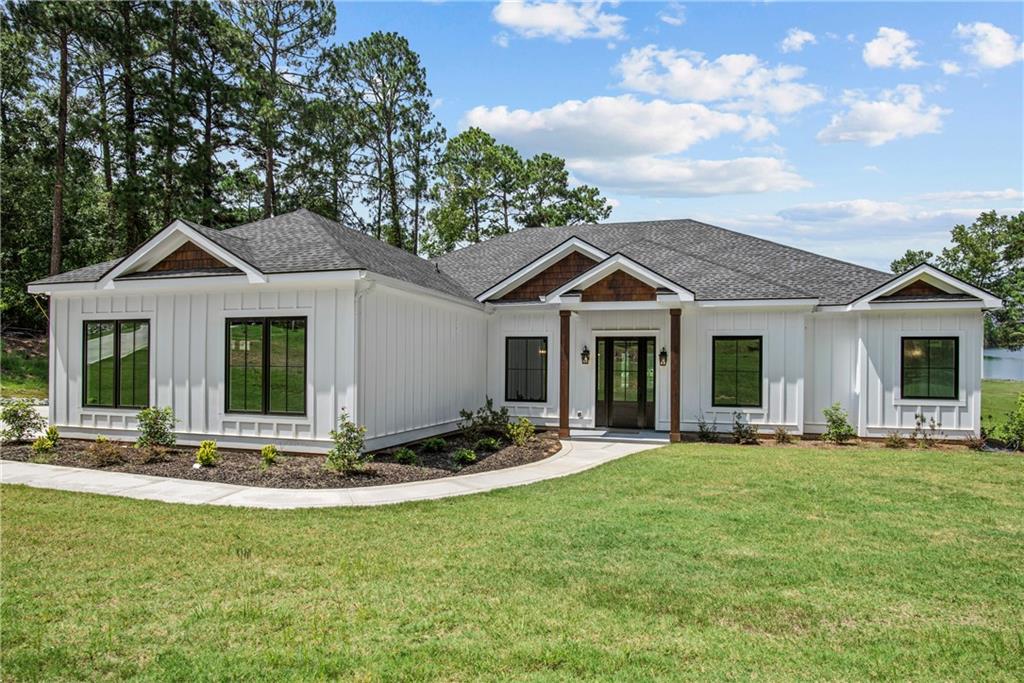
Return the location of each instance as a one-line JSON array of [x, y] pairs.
[[854, 130]]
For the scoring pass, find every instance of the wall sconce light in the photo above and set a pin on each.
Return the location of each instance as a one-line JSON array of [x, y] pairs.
[[663, 357], [585, 355]]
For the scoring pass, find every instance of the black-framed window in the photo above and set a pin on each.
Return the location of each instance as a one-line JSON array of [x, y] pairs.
[[115, 355], [265, 366], [736, 365], [930, 367], [526, 369]]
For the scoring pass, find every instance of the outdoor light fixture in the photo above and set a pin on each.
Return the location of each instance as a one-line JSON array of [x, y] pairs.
[[663, 357], [585, 355]]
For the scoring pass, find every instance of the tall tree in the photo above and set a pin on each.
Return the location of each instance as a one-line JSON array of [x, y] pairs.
[[283, 37], [911, 259], [546, 198]]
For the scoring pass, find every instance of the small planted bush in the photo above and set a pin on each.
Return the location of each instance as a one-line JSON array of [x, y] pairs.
[[782, 436], [837, 425], [156, 427], [20, 421], [406, 456], [346, 455], [707, 431], [488, 444], [1011, 432], [268, 456], [926, 432], [207, 455], [742, 431], [103, 452], [520, 431], [44, 445], [486, 420], [463, 457], [435, 445], [895, 440]]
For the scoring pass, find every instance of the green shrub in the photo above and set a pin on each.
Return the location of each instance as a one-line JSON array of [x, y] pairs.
[[895, 440], [103, 452], [207, 455], [20, 421], [156, 427], [485, 421], [268, 456], [743, 432], [782, 436], [1011, 432], [346, 455], [925, 433], [435, 445], [488, 444], [520, 432], [406, 456], [45, 444], [837, 425], [463, 457], [707, 431]]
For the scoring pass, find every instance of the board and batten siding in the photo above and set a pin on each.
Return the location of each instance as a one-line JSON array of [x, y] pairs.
[[831, 344], [187, 362], [421, 361]]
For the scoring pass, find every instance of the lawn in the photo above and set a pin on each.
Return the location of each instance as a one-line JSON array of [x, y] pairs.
[[691, 561], [23, 369], [998, 397]]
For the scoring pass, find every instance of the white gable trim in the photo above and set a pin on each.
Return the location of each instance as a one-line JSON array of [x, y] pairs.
[[539, 264], [609, 266], [169, 239], [933, 276]]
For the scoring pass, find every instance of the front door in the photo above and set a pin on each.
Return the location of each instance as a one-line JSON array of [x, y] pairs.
[[625, 382]]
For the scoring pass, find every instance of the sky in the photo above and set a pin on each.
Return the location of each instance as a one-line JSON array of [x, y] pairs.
[[855, 130]]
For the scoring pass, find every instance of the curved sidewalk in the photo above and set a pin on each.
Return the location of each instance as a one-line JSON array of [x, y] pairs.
[[575, 456]]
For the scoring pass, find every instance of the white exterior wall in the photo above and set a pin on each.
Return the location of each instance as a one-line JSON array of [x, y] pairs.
[[855, 359], [421, 361], [187, 362]]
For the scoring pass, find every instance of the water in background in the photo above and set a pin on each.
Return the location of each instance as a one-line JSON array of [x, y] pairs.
[[1003, 364]]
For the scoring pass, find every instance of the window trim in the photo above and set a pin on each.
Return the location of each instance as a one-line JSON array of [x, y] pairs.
[[760, 372], [956, 367], [116, 322], [265, 363], [544, 398]]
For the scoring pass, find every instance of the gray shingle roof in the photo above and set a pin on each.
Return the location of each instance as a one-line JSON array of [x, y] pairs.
[[712, 262], [302, 241]]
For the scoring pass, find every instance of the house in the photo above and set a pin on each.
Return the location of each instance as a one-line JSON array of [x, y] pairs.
[[266, 332]]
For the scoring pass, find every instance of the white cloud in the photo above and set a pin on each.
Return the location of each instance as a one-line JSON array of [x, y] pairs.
[[561, 20], [501, 39], [871, 168], [795, 40], [616, 126], [1009, 194], [891, 47], [950, 68], [652, 176], [740, 81], [990, 46], [673, 15], [898, 113]]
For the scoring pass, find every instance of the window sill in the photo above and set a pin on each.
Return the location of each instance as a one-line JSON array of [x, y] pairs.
[[948, 402], [268, 417]]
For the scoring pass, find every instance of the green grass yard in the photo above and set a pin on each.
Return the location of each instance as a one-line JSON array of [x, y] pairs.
[[998, 397], [691, 561], [23, 373]]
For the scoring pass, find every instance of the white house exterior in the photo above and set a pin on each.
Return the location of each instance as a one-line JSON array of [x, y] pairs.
[[266, 332]]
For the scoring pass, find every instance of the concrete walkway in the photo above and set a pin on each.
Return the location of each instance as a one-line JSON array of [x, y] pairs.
[[575, 456]]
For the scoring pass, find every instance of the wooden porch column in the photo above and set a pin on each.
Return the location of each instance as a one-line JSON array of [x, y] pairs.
[[563, 376], [674, 404]]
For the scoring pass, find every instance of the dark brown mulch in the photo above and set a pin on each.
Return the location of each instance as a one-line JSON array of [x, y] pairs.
[[291, 471]]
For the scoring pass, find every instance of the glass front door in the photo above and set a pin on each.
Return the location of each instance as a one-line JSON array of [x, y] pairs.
[[625, 382]]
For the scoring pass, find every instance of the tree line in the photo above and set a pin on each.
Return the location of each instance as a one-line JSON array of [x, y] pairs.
[[117, 117]]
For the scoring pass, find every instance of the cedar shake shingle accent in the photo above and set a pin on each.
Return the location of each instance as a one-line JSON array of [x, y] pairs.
[[188, 257], [550, 278], [619, 286], [918, 288]]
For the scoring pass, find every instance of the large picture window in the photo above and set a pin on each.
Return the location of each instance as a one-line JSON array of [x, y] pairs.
[[736, 372], [266, 366], [526, 369], [116, 360], [930, 367]]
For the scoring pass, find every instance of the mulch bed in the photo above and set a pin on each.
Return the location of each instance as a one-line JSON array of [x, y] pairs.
[[298, 471]]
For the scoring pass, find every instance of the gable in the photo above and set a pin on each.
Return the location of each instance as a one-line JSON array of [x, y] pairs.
[[188, 257], [619, 286], [551, 277], [921, 289]]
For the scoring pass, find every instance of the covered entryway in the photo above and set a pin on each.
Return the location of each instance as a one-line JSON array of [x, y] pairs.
[[625, 382]]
